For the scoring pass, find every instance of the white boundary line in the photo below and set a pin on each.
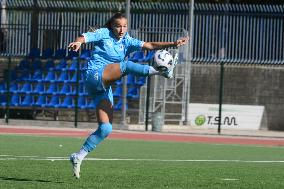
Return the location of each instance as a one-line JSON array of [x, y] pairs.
[[39, 158]]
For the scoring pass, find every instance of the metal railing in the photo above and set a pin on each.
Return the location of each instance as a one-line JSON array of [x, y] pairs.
[[246, 33], [239, 33]]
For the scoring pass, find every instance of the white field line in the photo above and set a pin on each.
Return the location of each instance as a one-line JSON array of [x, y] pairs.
[[229, 179], [11, 157]]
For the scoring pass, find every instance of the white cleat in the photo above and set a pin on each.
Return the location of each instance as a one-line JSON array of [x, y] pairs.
[[76, 163], [169, 73]]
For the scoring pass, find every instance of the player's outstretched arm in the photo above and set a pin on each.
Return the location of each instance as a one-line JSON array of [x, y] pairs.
[[75, 46], [163, 45]]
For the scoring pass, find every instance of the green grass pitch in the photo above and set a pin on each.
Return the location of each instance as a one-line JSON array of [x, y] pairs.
[[30, 162]]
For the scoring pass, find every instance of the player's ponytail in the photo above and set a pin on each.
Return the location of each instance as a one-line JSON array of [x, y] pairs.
[[93, 28]]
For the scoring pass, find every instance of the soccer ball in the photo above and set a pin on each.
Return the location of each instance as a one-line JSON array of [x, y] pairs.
[[163, 60]]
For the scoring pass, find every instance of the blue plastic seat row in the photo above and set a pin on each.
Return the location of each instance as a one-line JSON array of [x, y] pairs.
[[118, 105], [133, 80], [41, 88], [37, 64], [138, 56], [132, 92], [43, 101], [50, 76]]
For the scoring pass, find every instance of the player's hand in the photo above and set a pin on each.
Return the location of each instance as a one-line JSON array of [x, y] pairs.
[[74, 46], [182, 41]]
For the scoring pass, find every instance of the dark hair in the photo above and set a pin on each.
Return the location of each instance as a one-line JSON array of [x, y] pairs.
[[110, 21]]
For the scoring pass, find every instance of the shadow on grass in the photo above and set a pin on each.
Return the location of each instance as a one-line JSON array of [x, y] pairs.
[[25, 180]]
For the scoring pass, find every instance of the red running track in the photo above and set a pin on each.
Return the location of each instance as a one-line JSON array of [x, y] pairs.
[[150, 136]]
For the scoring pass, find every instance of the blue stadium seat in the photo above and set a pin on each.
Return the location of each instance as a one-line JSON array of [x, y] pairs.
[[47, 53], [82, 102], [50, 77], [13, 75], [62, 65], [15, 100], [49, 65], [133, 92], [82, 77], [130, 79], [91, 105], [118, 91], [27, 88], [52, 89], [24, 75], [3, 100], [24, 65], [54, 102], [118, 82], [74, 78], [149, 56], [34, 53], [66, 89], [2, 88], [36, 64], [82, 89], [67, 102], [28, 100], [137, 56], [74, 64], [13, 87], [37, 76], [60, 54], [63, 76], [140, 81], [83, 65], [41, 101], [118, 105], [39, 88], [85, 54], [72, 54]]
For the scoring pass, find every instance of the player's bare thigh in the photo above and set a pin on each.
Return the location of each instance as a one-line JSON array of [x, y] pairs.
[[111, 74]]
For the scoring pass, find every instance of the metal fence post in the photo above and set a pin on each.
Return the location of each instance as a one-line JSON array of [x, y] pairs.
[[8, 95], [124, 79], [148, 98], [77, 92], [221, 96], [188, 63]]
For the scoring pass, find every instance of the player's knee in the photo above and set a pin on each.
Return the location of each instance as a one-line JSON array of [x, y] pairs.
[[106, 129]]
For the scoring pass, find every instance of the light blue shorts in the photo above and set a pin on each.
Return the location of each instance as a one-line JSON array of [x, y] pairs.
[[95, 86]]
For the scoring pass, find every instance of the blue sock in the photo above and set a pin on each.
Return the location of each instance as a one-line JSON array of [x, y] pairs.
[[98, 136], [128, 67]]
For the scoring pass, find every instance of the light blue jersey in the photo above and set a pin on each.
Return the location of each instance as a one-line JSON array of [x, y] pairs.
[[107, 50]]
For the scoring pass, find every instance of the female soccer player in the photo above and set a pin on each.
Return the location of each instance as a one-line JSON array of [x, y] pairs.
[[112, 44]]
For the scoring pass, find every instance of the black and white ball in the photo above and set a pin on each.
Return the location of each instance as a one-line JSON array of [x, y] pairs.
[[163, 60]]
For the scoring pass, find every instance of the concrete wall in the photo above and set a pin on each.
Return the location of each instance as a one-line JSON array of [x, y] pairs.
[[243, 85]]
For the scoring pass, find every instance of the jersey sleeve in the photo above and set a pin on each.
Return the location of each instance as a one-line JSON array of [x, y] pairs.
[[134, 44], [94, 36]]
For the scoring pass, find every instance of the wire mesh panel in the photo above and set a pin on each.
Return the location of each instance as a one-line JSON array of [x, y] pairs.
[[247, 33], [16, 35]]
